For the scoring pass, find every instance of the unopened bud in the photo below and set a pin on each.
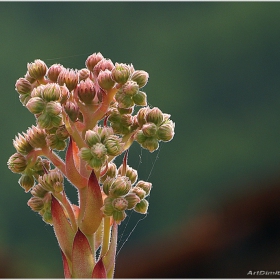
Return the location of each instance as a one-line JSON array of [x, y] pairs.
[[17, 163], [83, 74], [22, 144], [120, 186], [130, 88], [53, 108], [92, 60], [95, 156], [64, 94], [149, 143], [105, 80], [92, 137], [108, 208], [54, 71], [38, 91], [140, 98], [102, 65], [141, 77], [146, 186], [29, 78], [36, 137], [141, 115], [36, 105], [111, 172], [139, 192], [56, 143], [142, 206], [86, 91], [23, 86], [37, 69], [120, 204], [124, 100], [130, 173], [69, 77], [119, 216], [149, 129], [52, 181], [38, 191], [49, 120], [166, 131], [113, 145], [72, 110], [132, 199], [51, 92], [36, 204], [26, 182], [120, 73], [155, 116]]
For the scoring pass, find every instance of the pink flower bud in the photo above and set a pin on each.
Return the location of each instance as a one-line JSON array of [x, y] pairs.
[[92, 60], [54, 71], [69, 77], [23, 86], [105, 80], [86, 91], [102, 65], [37, 69]]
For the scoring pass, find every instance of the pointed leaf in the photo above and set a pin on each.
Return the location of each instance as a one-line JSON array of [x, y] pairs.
[[82, 258], [62, 228], [99, 270], [66, 269], [71, 171], [92, 215], [110, 258]]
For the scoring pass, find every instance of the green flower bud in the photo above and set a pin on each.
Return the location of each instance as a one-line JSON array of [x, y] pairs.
[[62, 133], [124, 100], [113, 145], [83, 74], [36, 105], [92, 60], [105, 133], [69, 77], [24, 98], [38, 191], [37, 91], [105, 80], [141, 77], [151, 144], [53, 108], [26, 182], [72, 110], [95, 156], [36, 137], [56, 143], [111, 172], [166, 131], [141, 115], [86, 91], [52, 181], [41, 166], [107, 184], [36, 204], [131, 173], [51, 92], [37, 69], [149, 129], [49, 121], [54, 71], [119, 204], [130, 88], [92, 137], [120, 73], [47, 215], [139, 192], [146, 186], [132, 199], [140, 137], [140, 98], [155, 116], [142, 206], [108, 208], [120, 187], [29, 78], [17, 163], [22, 144], [23, 86], [119, 216]]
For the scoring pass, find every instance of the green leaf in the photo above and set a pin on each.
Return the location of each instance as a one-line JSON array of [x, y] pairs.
[[82, 258]]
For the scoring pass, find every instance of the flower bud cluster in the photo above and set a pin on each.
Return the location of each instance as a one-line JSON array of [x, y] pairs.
[[121, 195], [102, 142]]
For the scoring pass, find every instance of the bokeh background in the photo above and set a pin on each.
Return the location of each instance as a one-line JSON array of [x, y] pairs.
[[215, 67]]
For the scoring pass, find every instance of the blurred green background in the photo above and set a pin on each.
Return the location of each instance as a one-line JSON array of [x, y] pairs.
[[213, 66]]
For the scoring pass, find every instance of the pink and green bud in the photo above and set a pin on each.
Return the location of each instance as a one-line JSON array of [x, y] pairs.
[[149, 129], [95, 156], [155, 116], [56, 143], [29, 78], [69, 77], [49, 120], [105, 132], [23, 86], [83, 74], [105, 80], [86, 91], [36, 105], [51, 92], [52, 181], [102, 65], [107, 184], [132, 199], [146, 186], [131, 173], [139, 192], [141, 115], [120, 204], [111, 172], [54, 71], [37, 69], [65, 94], [38, 191], [142, 206], [166, 131], [140, 98], [130, 88], [36, 204], [22, 144], [53, 108], [119, 216], [41, 167], [140, 77], [72, 110], [36, 137], [26, 181], [149, 143], [124, 100], [120, 187], [92, 60], [120, 73], [92, 137], [38, 91], [113, 145], [17, 163]]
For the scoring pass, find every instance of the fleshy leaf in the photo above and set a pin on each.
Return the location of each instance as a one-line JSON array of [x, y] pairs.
[[92, 215], [110, 258], [71, 160], [62, 228], [66, 269], [99, 270], [82, 258]]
